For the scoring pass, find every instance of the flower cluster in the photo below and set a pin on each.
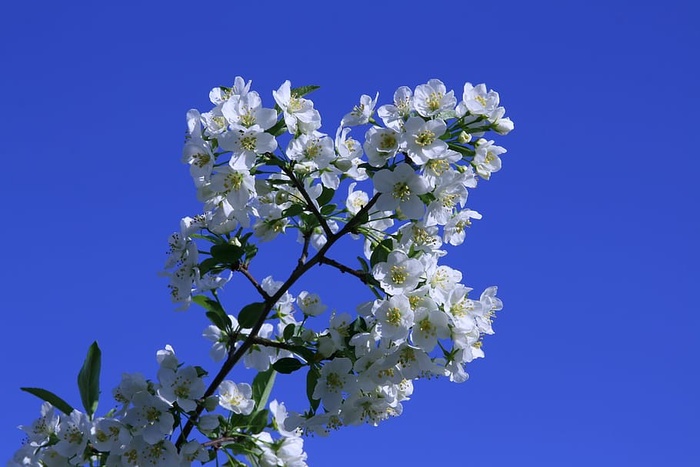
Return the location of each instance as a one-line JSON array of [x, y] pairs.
[[260, 172], [135, 433]]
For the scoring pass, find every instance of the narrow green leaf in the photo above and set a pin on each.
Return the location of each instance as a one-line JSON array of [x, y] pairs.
[[287, 365], [211, 238], [250, 314], [328, 209], [262, 386], [89, 379], [465, 151], [51, 398], [311, 380], [301, 91]]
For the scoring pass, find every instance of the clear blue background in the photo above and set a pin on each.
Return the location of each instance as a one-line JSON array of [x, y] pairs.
[[589, 230]]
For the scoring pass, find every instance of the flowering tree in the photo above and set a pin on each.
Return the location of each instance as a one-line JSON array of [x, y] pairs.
[[405, 191]]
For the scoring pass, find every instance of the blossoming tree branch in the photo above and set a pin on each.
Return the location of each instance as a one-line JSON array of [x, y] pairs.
[[262, 172]]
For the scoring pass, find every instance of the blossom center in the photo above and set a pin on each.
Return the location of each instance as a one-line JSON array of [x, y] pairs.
[[437, 166], [334, 382], [234, 181], [393, 316], [152, 414], [200, 160], [248, 119], [248, 143], [312, 151], [401, 191], [387, 142], [448, 201], [399, 274], [426, 327], [434, 100], [294, 104], [425, 138]]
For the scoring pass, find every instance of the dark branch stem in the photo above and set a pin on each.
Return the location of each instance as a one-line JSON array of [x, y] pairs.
[[270, 343], [219, 441], [309, 202], [244, 270], [235, 354], [345, 269], [305, 249]]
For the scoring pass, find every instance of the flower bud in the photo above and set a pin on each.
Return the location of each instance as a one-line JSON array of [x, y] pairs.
[[464, 137], [503, 126]]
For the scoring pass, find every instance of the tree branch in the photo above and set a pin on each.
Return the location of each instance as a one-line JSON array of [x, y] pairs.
[[346, 269], [309, 202], [244, 270], [235, 355]]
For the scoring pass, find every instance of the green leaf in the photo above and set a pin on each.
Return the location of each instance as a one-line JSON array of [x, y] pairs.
[[303, 352], [250, 251], [363, 263], [359, 325], [237, 420], [227, 253], [288, 331], [89, 379], [51, 398], [207, 265], [262, 386], [463, 150], [427, 198], [293, 210], [359, 219], [211, 238], [250, 314], [287, 365], [207, 303], [301, 91], [381, 252], [326, 196], [311, 380], [278, 128], [259, 421], [309, 220], [215, 312], [216, 320], [328, 209]]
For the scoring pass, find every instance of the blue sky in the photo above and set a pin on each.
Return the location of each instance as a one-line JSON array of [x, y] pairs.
[[588, 230]]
